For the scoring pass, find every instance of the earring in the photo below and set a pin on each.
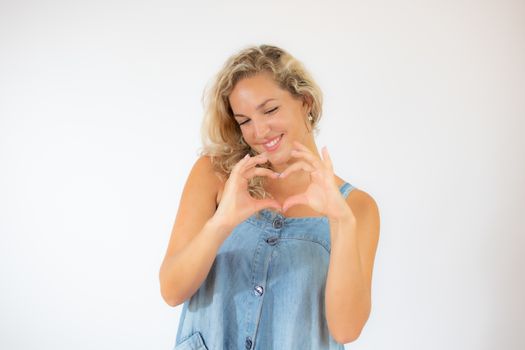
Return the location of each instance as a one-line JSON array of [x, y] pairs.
[[310, 118]]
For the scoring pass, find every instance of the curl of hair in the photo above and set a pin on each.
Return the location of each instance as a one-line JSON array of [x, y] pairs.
[[220, 133]]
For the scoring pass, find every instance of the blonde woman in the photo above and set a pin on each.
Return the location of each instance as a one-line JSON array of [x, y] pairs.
[[270, 249]]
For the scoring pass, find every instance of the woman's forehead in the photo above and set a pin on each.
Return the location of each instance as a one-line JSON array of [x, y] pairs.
[[256, 90]]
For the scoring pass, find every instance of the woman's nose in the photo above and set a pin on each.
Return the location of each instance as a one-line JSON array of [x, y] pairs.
[[261, 129]]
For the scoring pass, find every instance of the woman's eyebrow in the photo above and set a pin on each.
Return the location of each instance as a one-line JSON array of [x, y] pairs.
[[256, 108]]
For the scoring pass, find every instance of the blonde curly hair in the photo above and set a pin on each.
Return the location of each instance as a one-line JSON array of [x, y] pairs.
[[221, 135]]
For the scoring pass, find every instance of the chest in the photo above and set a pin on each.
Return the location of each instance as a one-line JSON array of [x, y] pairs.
[[299, 211]]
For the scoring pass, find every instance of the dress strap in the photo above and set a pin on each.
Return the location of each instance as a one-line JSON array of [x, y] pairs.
[[346, 188]]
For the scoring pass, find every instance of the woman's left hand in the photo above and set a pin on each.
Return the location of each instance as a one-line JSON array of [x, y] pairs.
[[323, 194]]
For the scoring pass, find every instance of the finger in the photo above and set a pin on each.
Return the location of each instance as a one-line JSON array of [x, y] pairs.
[[299, 165], [295, 200], [246, 162], [252, 161], [257, 171], [327, 159], [267, 203], [307, 155], [238, 166], [302, 148]]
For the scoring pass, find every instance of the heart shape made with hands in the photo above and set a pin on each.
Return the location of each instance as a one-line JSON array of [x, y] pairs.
[[322, 194]]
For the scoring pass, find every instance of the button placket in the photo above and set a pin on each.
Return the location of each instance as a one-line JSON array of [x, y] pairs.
[[277, 222]]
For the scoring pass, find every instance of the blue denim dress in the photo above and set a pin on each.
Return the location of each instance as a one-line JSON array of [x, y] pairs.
[[265, 289]]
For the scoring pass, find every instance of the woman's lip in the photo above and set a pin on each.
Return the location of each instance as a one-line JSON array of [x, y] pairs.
[[274, 147]]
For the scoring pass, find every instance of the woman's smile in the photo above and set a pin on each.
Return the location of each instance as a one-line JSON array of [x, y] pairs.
[[273, 145]]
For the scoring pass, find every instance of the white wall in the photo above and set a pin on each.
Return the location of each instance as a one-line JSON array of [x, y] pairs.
[[99, 125]]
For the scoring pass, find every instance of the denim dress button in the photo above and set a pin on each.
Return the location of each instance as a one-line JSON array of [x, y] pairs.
[[258, 290], [278, 223], [248, 343], [272, 240]]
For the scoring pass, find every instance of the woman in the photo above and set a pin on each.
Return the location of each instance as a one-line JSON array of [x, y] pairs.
[[270, 249]]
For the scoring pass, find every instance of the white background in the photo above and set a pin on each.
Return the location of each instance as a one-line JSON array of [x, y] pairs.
[[100, 110]]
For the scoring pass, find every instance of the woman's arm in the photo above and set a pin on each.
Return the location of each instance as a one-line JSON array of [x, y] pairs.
[[348, 287], [195, 238]]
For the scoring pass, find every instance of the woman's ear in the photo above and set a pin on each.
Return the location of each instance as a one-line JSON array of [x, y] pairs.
[[307, 103]]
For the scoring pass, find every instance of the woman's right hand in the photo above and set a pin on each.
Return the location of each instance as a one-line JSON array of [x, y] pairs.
[[236, 203]]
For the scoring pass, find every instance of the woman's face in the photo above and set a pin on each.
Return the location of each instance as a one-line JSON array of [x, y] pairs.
[[267, 114]]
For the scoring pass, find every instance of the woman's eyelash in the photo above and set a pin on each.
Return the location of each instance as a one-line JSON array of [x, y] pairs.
[[270, 111]]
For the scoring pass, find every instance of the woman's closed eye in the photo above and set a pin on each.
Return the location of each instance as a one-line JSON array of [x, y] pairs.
[[271, 110], [268, 112]]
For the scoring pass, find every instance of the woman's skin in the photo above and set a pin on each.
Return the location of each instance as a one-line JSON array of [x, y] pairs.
[[306, 187]]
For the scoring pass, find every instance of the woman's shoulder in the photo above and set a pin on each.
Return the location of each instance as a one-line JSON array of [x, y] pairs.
[[357, 196], [207, 174], [360, 200]]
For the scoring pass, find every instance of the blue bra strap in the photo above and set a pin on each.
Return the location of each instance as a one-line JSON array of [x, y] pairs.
[[345, 189]]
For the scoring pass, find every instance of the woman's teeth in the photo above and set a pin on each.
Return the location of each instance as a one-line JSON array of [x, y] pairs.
[[272, 143]]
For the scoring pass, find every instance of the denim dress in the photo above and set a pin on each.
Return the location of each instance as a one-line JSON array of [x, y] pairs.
[[265, 289]]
